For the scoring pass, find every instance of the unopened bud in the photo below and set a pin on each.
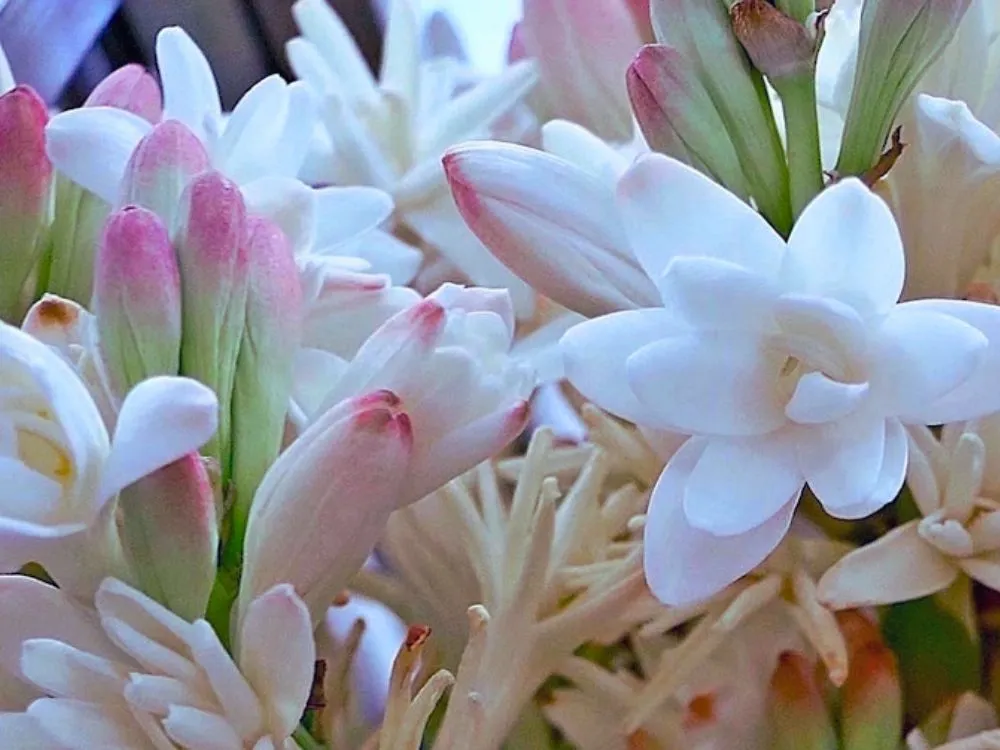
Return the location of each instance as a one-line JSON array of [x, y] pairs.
[[799, 717], [131, 88], [779, 46], [872, 701], [137, 300]]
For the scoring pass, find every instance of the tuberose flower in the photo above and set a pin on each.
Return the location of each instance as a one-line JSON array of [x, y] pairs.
[[789, 363]]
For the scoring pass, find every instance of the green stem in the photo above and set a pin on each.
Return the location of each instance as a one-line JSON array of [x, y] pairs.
[[805, 166], [797, 9], [305, 740]]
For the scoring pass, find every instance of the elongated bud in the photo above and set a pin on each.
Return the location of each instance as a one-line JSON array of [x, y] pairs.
[[271, 336], [702, 33], [323, 504], [779, 46], [678, 117], [871, 701], [212, 251], [25, 193], [162, 165], [799, 717], [169, 531], [131, 88], [898, 42]]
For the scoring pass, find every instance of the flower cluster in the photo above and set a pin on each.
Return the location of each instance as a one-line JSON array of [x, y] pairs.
[[644, 394]]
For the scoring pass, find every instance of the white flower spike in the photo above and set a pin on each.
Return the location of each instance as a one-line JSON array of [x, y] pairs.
[[788, 364]]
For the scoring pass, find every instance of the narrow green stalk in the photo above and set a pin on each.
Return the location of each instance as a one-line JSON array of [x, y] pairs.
[[797, 9], [805, 167], [305, 740]]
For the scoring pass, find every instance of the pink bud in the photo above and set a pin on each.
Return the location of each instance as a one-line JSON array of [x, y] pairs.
[[212, 251], [271, 337], [800, 719], [169, 531], [25, 191], [779, 46], [161, 166], [137, 299], [323, 504], [131, 88]]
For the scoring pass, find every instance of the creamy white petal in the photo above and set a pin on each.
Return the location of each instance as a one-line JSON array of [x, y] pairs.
[[685, 565], [79, 725], [716, 294], [201, 730], [253, 127], [819, 399], [579, 146], [842, 460], [846, 245], [343, 213], [323, 27], [708, 382], [239, 702], [738, 484], [890, 478], [670, 209], [63, 671], [190, 93]]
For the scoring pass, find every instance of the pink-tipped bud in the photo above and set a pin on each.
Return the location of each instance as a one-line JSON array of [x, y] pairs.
[[25, 192], [799, 717], [169, 531], [271, 336], [131, 88], [872, 701], [779, 46], [323, 504], [211, 245], [678, 117], [137, 299], [162, 165], [640, 14]]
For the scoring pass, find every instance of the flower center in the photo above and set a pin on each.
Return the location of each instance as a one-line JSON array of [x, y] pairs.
[[44, 456]]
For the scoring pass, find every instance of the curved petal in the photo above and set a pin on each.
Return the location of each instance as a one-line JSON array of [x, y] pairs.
[[80, 725], [685, 565], [277, 655], [890, 478], [739, 484], [21, 730], [161, 419], [253, 127], [895, 568], [287, 202], [92, 147], [846, 245], [710, 382], [842, 460], [716, 294], [918, 356], [343, 213], [595, 353], [190, 93], [978, 395], [819, 399], [385, 255], [670, 209]]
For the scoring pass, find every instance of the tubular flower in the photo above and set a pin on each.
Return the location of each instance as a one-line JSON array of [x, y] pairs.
[[788, 363]]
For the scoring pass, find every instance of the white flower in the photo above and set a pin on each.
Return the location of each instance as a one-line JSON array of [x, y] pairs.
[[61, 472], [391, 133], [132, 675], [788, 363]]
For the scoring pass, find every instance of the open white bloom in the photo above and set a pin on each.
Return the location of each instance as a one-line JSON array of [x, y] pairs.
[[391, 133], [61, 471], [789, 363], [131, 675]]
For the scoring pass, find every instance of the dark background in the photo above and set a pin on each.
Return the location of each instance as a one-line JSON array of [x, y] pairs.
[[62, 48]]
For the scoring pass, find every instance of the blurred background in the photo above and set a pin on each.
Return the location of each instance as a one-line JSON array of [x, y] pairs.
[[62, 48]]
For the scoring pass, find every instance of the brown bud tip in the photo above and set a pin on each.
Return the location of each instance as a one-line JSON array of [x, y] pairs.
[[416, 636], [777, 44]]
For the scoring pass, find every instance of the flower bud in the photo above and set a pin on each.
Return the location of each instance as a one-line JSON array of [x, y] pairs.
[[131, 88], [899, 40], [170, 535], [779, 46], [137, 300], [871, 701], [799, 717], [678, 117], [271, 337], [25, 192], [323, 504], [212, 252], [702, 34], [161, 166]]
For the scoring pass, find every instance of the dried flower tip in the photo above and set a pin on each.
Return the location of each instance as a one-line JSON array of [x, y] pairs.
[[779, 46]]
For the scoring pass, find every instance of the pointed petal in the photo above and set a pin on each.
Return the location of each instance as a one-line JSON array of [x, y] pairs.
[[322, 26], [685, 565], [895, 568], [400, 72], [92, 147], [344, 213], [192, 728], [842, 460], [290, 204], [80, 725], [161, 420], [190, 93]]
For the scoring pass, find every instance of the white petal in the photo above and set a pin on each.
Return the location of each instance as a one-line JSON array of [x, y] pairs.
[[824, 332], [918, 356], [595, 353], [819, 399], [400, 71], [7, 81], [252, 130], [842, 460], [21, 731], [343, 213], [715, 294], [277, 655], [357, 149], [236, 697], [710, 382], [323, 27], [29, 495], [161, 419], [846, 245], [85, 726], [890, 478], [200, 730], [287, 202], [896, 567], [978, 395], [579, 146], [190, 93], [685, 565], [739, 484], [385, 255], [92, 146], [63, 671], [670, 209]]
